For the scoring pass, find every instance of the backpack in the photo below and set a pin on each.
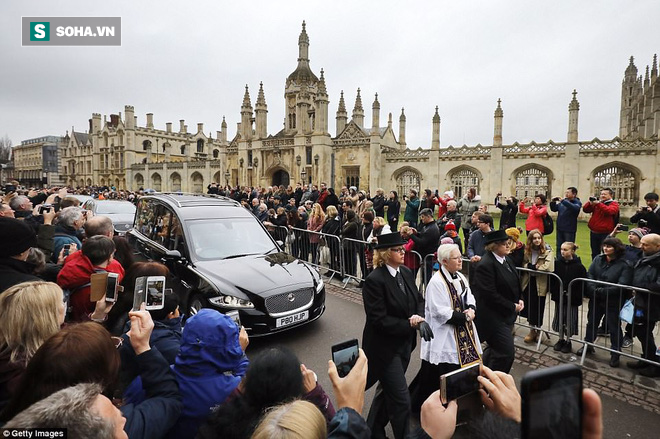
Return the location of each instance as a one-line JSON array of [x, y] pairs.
[[548, 224]]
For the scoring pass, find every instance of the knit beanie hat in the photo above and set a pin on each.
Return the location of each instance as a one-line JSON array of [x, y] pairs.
[[446, 240], [450, 226], [513, 233], [16, 237], [639, 231]]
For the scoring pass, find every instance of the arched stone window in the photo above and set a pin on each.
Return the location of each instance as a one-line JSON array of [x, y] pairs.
[[175, 182], [408, 179], [197, 183], [156, 182], [463, 178], [532, 180], [621, 179], [216, 153], [146, 145], [200, 145], [183, 149], [139, 181]]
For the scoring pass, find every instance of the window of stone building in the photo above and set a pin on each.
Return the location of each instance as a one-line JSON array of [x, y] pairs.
[[353, 177], [200, 145], [249, 158], [621, 180], [216, 153], [156, 182], [183, 149], [175, 182], [462, 180], [308, 155], [197, 183], [532, 181], [406, 181], [146, 145]]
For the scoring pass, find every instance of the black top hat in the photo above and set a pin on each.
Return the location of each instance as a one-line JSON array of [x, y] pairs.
[[496, 236], [390, 240]]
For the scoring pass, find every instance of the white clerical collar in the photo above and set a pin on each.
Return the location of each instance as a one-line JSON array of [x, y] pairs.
[[393, 271], [501, 259]]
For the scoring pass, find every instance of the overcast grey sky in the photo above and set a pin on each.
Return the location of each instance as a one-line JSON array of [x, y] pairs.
[[192, 60]]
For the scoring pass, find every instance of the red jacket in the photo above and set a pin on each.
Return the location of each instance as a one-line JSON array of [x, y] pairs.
[[604, 216], [535, 216], [75, 273]]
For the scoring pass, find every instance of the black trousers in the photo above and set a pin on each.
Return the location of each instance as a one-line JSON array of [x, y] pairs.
[[644, 333], [392, 400], [427, 381], [500, 352]]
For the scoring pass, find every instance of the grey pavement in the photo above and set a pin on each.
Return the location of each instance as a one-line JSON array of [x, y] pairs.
[[631, 404]]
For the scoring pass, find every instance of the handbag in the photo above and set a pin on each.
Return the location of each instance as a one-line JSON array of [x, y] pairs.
[[627, 311], [322, 241]]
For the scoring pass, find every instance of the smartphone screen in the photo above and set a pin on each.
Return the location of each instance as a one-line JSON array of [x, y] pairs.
[[345, 356], [155, 292], [234, 316], [67, 249], [552, 403], [111, 288], [459, 383]]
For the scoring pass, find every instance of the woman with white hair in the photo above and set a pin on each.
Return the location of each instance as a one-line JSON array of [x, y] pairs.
[[449, 310]]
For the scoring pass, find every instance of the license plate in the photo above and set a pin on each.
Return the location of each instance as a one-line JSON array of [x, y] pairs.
[[292, 319]]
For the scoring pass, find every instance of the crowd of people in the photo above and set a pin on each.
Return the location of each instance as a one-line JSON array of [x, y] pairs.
[[104, 369]]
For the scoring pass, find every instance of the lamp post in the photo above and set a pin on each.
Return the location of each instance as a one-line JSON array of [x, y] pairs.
[[227, 175], [255, 164], [302, 175], [298, 161], [316, 165]]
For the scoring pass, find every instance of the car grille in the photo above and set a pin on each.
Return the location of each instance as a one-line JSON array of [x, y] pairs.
[[289, 301]]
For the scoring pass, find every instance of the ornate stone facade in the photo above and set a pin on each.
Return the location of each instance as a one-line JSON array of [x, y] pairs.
[[36, 161], [121, 153]]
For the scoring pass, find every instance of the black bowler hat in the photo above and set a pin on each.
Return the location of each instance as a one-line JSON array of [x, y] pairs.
[[496, 236], [390, 240]]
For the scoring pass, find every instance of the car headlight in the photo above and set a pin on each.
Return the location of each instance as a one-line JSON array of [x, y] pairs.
[[231, 302], [319, 286]]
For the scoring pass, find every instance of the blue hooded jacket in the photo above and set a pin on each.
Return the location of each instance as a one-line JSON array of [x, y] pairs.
[[208, 368]]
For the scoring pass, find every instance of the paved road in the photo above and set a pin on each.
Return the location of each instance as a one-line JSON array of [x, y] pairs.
[[344, 319]]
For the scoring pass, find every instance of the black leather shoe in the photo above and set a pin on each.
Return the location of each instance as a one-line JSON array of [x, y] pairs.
[[590, 350], [559, 345], [614, 361], [637, 364], [567, 348]]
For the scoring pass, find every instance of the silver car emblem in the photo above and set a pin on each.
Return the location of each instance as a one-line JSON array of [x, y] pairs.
[[291, 297]]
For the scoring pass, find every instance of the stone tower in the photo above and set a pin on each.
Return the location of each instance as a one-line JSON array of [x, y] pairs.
[[261, 112], [300, 92], [631, 89]]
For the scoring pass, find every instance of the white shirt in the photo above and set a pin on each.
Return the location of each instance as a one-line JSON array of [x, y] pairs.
[[438, 309], [499, 258]]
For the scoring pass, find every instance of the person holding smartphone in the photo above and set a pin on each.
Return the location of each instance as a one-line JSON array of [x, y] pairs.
[[394, 310]]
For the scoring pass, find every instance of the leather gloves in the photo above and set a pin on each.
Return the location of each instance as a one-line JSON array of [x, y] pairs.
[[425, 331]]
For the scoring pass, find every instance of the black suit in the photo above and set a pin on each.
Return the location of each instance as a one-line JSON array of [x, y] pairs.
[[387, 340], [496, 288]]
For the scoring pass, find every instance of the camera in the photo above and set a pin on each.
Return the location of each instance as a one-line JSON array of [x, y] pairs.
[[622, 227], [592, 199], [555, 199], [45, 208]]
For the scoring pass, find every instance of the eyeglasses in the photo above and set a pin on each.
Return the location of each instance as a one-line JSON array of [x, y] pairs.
[[398, 250], [457, 258]]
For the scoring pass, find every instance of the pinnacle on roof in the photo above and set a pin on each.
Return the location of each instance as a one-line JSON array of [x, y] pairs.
[[402, 118], [358, 102], [574, 105], [654, 70], [261, 99], [389, 120], [631, 69], [436, 116], [303, 38], [498, 110], [647, 76], [376, 104], [322, 89], [224, 123], [303, 73], [342, 103], [246, 98]]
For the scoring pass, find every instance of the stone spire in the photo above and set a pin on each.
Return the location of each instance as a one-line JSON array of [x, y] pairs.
[[647, 79], [358, 111], [321, 104], [375, 116], [246, 115], [223, 139], [322, 89], [654, 68], [402, 129], [573, 110], [261, 110], [303, 45], [435, 140], [499, 116], [389, 120], [342, 115], [631, 70]]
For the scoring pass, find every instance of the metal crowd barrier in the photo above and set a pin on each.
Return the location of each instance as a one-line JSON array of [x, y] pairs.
[[607, 306], [355, 260], [303, 248], [429, 262]]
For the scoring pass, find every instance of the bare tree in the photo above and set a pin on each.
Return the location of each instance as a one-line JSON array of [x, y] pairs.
[[5, 148]]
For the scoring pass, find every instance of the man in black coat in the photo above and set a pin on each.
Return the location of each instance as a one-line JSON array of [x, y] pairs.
[[394, 309], [496, 288], [17, 238], [379, 203], [646, 274], [426, 239]]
